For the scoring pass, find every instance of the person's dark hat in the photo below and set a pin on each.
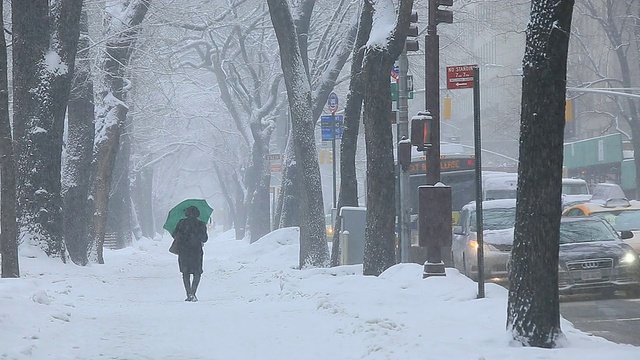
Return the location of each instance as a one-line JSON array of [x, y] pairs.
[[192, 211]]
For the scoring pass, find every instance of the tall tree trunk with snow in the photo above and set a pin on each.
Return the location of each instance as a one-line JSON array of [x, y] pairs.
[[226, 187], [79, 148], [533, 313], [44, 46], [123, 21], [260, 207], [348, 195], [9, 234], [287, 201], [314, 251], [240, 218], [143, 200], [119, 210], [380, 53]]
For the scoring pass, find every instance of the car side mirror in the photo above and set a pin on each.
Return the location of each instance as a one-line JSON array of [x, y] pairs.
[[458, 230], [626, 234]]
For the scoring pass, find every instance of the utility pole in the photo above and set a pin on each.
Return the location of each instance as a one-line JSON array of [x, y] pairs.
[[434, 264], [404, 217], [403, 133], [432, 82]]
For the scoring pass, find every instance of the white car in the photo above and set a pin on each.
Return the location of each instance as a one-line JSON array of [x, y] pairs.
[[498, 223]]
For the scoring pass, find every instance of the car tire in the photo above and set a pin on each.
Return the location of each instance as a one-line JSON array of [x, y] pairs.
[[633, 292]]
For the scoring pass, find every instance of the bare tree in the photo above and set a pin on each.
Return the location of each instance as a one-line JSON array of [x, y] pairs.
[[9, 234], [314, 251], [533, 313], [332, 50], [621, 29], [380, 53], [348, 195], [235, 51], [122, 21]]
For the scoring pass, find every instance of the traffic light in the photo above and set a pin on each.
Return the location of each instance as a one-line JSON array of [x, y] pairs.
[[421, 130], [437, 16], [404, 153], [411, 43]]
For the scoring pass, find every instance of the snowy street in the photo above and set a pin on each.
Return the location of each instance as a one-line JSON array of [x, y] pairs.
[[254, 305]]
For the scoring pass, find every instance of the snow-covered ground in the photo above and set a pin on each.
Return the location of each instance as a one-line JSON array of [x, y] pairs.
[[254, 305]]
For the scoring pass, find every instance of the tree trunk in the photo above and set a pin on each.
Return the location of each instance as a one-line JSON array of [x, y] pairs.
[[228, 197], [104, 160], [533, 313], [379, 247], [288, 201], [314, 251], [259, 204], [143, 201], [288, 205], [240, 218], [80, 134], [122, 32], [119, 211], [9, 235], [348, 195], [44, 47]]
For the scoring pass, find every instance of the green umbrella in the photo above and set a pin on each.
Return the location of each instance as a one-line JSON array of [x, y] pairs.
[[177, 213]]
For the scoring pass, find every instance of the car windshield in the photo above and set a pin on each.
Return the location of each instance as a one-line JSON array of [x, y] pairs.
[[621, 219], [585, 231], [495, 218], [575, 189]]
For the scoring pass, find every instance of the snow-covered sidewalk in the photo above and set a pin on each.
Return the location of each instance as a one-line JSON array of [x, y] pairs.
[[254, 305]]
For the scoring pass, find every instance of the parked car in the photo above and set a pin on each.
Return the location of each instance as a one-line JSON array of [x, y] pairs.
[[593, 258], [622, 214], [498, 222]]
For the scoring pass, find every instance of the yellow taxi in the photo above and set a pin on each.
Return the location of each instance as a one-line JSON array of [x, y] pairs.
[[622, 214]]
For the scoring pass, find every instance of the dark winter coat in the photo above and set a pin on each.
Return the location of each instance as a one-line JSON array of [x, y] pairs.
[[191, 234]]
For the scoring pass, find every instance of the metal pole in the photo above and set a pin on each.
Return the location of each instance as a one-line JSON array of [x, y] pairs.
[[333, 154], [404, 217], [478, 152], [432, 100]]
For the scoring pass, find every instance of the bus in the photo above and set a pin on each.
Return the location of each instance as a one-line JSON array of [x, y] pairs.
[[457, 171]]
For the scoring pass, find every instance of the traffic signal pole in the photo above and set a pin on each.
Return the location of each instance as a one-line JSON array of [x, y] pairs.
[[404, 217], [432, 99], [434, 266]]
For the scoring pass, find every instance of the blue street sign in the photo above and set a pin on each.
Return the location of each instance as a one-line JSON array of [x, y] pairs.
[[325, 125], [332, 101]]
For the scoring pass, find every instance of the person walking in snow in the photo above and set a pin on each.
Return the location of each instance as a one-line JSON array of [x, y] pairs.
[[191, 234]]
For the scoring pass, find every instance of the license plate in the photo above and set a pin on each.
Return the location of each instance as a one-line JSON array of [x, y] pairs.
[[591, 275]]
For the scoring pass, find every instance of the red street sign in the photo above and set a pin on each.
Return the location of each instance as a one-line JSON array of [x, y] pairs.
[[460, 76]]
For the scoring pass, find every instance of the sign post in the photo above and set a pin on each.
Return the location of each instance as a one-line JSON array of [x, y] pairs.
[[332, 102], [467, 77], [478, 151]]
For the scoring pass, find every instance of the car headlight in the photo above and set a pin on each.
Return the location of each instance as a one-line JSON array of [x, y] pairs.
[[629, 258]]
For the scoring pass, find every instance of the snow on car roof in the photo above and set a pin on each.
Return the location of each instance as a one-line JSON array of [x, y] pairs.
[[493, 204]]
